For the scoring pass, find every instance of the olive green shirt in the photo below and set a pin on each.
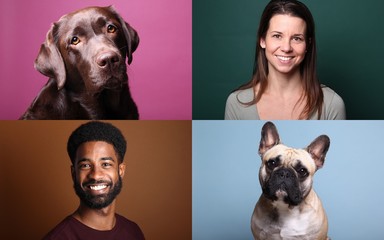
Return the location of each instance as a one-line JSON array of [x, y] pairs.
[[333, 107]]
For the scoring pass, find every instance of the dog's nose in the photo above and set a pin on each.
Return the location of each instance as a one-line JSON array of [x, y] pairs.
[[284, 174], [107, 59]]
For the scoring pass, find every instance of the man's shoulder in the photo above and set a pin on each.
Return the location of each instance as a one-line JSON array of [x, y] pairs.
[[130, 226], [60, 230], [70, 228], [125, 221]]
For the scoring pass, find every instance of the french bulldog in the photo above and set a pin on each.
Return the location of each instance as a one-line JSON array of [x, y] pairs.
[[288, 207]]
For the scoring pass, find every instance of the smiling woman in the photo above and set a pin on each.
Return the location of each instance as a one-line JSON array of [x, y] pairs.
[[284, 45], [285, 83]]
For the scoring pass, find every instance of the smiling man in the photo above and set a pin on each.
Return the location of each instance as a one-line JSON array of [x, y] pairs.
[[96, 150]]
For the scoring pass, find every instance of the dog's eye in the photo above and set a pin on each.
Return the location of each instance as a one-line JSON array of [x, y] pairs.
[[111, 29], [75, 40], [271, 164], [303, 172]]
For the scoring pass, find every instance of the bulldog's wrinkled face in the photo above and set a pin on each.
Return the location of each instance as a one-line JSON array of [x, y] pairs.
[[286, 173]]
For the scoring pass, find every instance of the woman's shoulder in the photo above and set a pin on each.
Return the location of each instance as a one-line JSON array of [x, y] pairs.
[[237, 108], [330, 95], [243, 95], [333, 104]]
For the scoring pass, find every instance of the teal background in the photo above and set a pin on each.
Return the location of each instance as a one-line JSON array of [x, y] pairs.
[[350, 46]]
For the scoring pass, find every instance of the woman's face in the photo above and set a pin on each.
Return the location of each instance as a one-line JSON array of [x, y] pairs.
[[284, 43]]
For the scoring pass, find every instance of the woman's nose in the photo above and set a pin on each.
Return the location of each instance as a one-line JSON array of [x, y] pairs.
[[286, 45]]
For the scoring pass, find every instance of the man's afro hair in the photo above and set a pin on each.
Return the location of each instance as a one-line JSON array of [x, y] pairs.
[[97, 131]]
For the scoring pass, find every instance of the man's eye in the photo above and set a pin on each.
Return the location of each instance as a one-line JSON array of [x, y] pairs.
[[85, 166], [111, 29], [75, 40], [106, 164]]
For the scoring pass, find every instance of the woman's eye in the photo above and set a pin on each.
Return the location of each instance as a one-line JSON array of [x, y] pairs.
[[111, 29], [75, 40], [298, 39]]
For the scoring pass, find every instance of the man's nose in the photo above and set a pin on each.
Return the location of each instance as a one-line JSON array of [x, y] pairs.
[[96, 173]]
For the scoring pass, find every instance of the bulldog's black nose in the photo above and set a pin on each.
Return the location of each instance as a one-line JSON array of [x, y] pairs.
[[284, 173]]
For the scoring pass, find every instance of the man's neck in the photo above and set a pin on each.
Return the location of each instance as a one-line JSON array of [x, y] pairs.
[[99, 219]]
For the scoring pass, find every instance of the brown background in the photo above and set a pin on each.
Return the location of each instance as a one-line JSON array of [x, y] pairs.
[[37, 189]]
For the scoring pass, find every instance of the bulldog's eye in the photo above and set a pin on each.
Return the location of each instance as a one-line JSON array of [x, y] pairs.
[[111, 29], [271, 164], [303, 172], [75, 40]]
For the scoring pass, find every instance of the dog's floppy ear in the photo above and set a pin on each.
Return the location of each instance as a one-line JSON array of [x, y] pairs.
[[131, 37], [269, 137], [49, 60], [318, 149]]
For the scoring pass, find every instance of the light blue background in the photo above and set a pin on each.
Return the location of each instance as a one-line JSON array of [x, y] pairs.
[[225, 176]]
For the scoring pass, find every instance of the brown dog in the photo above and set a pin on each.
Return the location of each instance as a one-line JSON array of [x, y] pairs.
[[84, 56]]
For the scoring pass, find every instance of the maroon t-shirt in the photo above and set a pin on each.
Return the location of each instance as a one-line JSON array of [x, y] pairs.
[[71, 228]]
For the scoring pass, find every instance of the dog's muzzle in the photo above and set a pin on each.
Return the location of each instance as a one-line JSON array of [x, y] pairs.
[[283, 184]]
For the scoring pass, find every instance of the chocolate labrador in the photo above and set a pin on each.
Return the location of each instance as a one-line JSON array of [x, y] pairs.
[[84, 57]]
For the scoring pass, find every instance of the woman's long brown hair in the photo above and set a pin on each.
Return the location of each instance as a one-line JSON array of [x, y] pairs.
[[312, 88]]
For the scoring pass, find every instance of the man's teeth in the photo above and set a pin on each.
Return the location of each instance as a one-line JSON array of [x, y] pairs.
[[98, 187]]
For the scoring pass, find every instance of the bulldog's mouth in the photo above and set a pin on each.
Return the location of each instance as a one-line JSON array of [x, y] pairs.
[[290, 196], [283, 186], [281, 193]]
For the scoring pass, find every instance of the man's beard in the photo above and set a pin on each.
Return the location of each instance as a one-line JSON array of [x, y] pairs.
[[98, 201]]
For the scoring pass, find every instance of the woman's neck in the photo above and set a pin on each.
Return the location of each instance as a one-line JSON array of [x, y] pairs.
[[283, 97], [281, 83]]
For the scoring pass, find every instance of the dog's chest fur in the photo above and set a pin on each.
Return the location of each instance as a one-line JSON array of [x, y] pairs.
[[284, 222]]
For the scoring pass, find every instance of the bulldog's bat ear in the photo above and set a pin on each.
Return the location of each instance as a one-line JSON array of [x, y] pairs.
[[318, 149], [269, 137]]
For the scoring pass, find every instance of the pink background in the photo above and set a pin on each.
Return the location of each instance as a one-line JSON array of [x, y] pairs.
[[161, 72]]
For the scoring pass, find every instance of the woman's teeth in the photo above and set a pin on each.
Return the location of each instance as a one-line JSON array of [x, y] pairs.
[[283, 58]]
